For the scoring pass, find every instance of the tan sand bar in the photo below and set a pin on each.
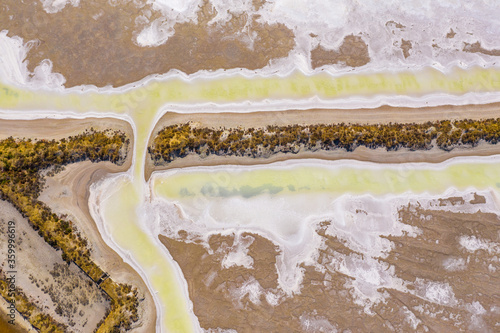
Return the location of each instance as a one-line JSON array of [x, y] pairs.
[[381, 115], [67, 192]]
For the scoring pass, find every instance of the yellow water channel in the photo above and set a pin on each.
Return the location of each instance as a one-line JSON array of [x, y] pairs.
[[144, 103], [333, 178]]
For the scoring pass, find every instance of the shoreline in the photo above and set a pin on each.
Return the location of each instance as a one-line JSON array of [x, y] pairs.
[[48, 128], [78, 177], [381, 115], [21, 325]]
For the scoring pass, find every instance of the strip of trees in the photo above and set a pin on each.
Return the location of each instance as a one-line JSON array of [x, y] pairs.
[[21, 182], [180, 140]]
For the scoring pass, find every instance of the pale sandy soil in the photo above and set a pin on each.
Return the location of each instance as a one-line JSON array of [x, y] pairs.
[[48, 281], [67, 193], [59, 128], [21, 325], [384, 114]]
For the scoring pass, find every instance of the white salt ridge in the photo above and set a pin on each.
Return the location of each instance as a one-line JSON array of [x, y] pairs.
[[310, 323], [274, 298], [411, 318], [156, 33], [54, 6], [238, 256], [473, 244], [161, 29], [454, 264], [250, 288], [13, 67], [219, 330], [369, 275], [477, 311], [435, 292], [175, 5]]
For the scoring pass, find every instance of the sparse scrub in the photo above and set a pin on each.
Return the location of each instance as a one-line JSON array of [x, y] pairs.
[[21, 181], [177, 141], [39, 320]]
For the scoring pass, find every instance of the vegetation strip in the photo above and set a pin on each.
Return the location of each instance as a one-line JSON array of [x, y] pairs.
[[180, 140], [21, 183]]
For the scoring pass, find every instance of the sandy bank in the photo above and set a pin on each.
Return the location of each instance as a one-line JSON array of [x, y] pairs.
[[21, 325], [384, 115], [60, 128], [68, 191], [47, 281]]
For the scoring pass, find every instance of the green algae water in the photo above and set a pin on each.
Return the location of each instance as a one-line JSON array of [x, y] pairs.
[[358, 178]]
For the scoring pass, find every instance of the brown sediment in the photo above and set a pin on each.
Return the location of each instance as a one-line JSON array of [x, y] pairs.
[[477, 48], [217, 305], [451, 34], [475, 279], [258, 4], [326, 301], [406, 47], [352, 52], [94, 43], [478, 199], [396, 24], [67, 193], [454, 201], [381, 115]]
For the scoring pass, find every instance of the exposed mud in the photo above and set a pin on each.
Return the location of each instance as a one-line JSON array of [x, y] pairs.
[[353, 52], [447, 287], [477, 48], [391, 24], [406, 47], [95, 43]]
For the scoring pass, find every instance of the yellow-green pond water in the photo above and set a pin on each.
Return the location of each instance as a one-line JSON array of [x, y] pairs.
[[143, 104]]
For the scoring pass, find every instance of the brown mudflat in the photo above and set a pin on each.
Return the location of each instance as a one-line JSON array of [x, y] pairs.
[[434, 259], [406, 47], [477, 48], [352, 52], [94, 43]]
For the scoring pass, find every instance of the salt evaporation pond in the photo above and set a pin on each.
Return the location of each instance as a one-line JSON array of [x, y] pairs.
[[337, 177], [119, 202], [280, 198]]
